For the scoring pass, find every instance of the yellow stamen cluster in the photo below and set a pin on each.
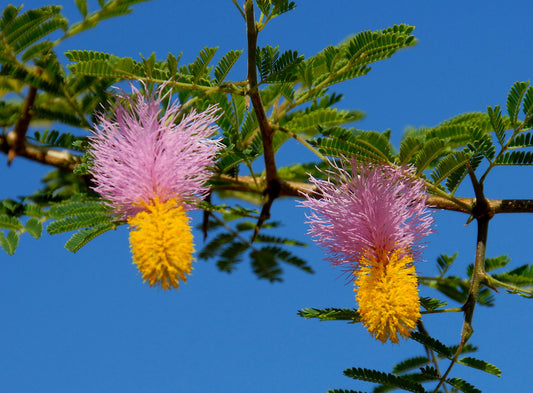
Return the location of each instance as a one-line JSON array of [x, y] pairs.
[[162, 243], [388, 297]]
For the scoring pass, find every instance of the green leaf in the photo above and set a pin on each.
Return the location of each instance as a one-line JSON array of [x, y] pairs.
[[200, 67], [410, 364], [10, 242], [514, 100], [23, 30], [363, 145], [284, 255], [225, 64], [431, 304], [331, 314], [33, 210], [265, 265], [264, 6], [172, 63], [409, 148], [308, 121], [8, 222], [444, 262], [281, 6], [211, 249], [496, 262], [36, 32], [515, 158], [87, 55], [521, 140], [282, 69], [521, 276], [365, 374], [431, 150], [482, 144], [462, 385], [455, 178], [36, 50], [528, 107], [31, 77], [232, 255], [9, 14], [71, 208], [432, 343], [495, 116], [278, 7], [34, 227], [261, 238], [82, 220], [54, 138], [81, 238], [448, 165], [82, 7], [98, 68], [480, 365]]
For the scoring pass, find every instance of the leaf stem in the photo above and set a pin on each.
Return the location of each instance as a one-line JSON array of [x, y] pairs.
[[303, 142]]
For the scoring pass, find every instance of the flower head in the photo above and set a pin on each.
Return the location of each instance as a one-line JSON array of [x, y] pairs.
[[371, 221], [149, 167], [372, 210], [387, 296], [142, 153]]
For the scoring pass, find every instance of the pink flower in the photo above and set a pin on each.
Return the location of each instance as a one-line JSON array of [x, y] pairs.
[[368, 212], [142, 153]]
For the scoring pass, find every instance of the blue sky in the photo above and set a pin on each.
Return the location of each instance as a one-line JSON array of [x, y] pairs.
[[85, 322]]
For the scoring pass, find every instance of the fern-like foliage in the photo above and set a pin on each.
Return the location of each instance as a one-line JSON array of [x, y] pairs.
[[431, 304], [225, 64], [19, 31], [515, 158], [410, 364], [362, 145], [9, 242], [365, 374], [480, 365], [462, 385], [330, 314], [521, 277], [276, 68], [514, 101], [66, 140], [272, 8], [266, 253]]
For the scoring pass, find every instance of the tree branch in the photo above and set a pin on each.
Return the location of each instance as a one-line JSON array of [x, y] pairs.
[[253, 92], [61, 159], [273, 184], [18, 135]]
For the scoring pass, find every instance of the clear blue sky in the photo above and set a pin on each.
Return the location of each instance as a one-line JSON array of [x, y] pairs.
[[85, 322]]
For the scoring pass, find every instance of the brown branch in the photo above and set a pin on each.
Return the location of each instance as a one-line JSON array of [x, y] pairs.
[[273, 184], [18, 135], [299, 189], [61, 159], [253, 92]]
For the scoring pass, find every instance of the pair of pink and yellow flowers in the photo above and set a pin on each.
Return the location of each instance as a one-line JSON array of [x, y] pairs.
[[152, 165]]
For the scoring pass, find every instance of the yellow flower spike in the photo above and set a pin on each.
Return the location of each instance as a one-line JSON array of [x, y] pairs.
[[162, 243], [387, 295]]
